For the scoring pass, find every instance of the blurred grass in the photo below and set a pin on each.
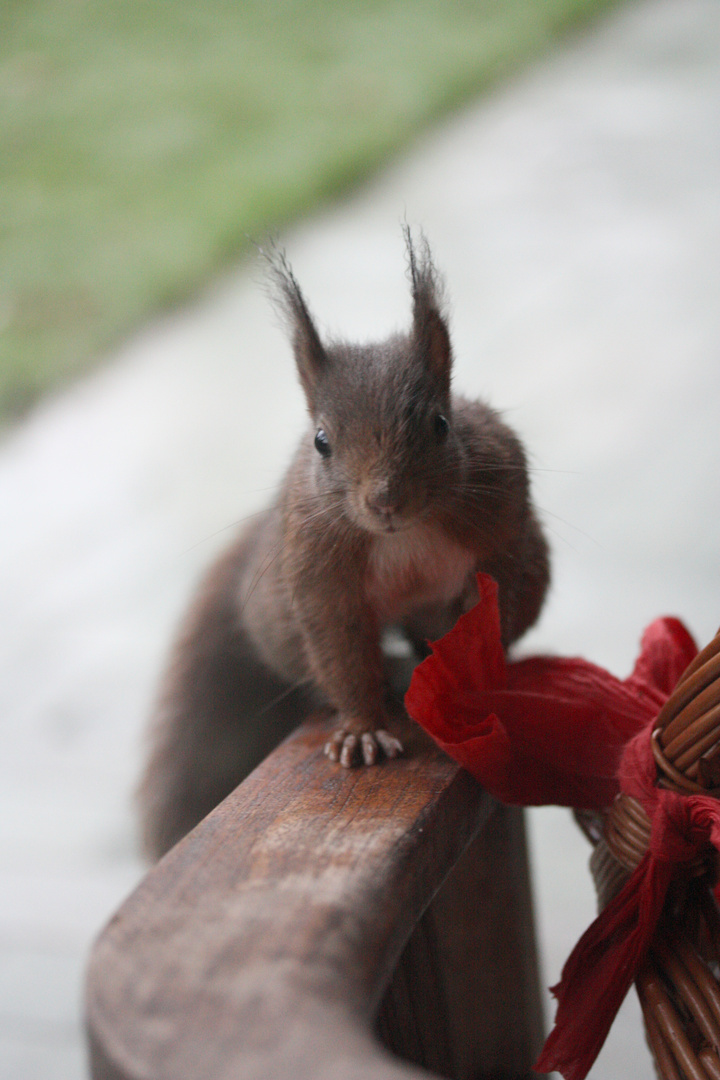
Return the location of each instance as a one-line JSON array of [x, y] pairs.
[[142, 142]]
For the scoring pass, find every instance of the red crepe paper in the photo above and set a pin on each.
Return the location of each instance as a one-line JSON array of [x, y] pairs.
[[604, 963], [545, 729], [564, 731]]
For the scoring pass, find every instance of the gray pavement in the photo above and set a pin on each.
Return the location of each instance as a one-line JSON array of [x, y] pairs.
[[576, 214]]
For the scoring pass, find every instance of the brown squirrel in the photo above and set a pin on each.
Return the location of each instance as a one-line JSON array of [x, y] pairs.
[[399, 492]]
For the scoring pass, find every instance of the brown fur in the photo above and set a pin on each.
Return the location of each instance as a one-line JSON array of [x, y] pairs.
[[414, 492]]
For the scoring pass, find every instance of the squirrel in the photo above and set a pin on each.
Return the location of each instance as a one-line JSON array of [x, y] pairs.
[[398, 494]]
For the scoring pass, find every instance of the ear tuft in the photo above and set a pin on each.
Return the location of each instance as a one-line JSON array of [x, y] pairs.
[[430, 330], [310, 356]]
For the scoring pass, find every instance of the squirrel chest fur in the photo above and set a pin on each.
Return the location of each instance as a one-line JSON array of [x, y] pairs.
[[415, 569], [399, 492]]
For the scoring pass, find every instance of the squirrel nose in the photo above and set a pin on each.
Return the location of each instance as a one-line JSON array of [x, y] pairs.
[[383, 503]]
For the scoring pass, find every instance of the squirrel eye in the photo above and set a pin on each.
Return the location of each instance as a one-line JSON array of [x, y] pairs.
[[441, 426], [322, 444]]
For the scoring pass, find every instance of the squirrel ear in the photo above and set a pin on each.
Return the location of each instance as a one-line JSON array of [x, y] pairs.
[[430, 332], [310, 356]]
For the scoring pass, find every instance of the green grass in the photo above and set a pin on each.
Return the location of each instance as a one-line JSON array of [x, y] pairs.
[[143, 141]]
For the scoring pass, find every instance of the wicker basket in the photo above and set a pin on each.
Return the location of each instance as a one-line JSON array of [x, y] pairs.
[[678, 984]]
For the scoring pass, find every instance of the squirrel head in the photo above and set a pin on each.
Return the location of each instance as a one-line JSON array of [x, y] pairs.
[[383, 444]]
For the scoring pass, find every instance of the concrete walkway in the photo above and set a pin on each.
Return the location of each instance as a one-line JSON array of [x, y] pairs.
[[576, 214]]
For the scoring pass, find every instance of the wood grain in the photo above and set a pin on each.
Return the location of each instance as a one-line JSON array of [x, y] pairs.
[[263, 944]]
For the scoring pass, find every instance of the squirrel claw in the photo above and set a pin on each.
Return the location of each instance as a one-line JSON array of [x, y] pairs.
[[346, 747], [349, 748], [391, 746], [333, 747]]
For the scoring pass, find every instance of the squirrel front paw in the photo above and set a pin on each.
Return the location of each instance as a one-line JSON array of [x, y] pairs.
[[355, 748]]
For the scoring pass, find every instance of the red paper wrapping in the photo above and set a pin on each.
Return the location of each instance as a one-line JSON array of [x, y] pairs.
[[545, 729], [564, 731]]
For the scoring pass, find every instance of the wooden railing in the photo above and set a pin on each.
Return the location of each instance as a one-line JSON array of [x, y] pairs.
[[327, 923]]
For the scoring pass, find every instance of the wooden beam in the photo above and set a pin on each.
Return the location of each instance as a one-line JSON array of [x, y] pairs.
[[262, 946]]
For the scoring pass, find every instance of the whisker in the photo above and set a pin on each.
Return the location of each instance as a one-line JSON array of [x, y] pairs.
[[569, 525], [280, 698], [226, 528], [320, 497], [269, 561], [277, 549]]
